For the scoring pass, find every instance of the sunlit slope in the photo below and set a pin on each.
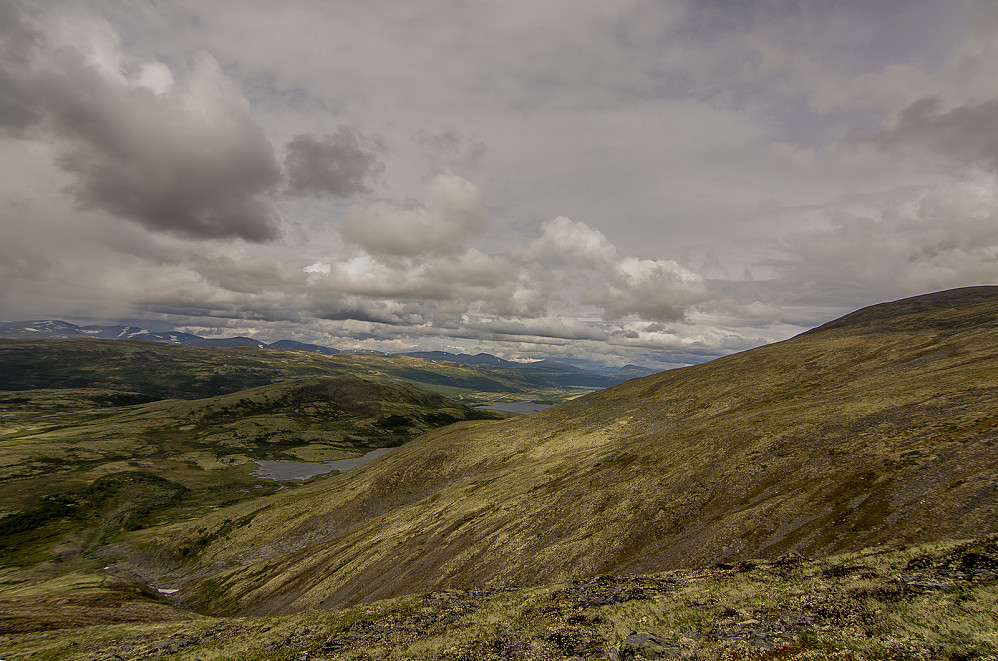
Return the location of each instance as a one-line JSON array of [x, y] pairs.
[[856, 434]]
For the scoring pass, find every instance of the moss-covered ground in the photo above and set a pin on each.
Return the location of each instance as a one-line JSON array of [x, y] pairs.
[[917, 602]]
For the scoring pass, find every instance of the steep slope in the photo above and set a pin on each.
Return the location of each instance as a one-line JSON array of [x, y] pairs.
[[859, 434]]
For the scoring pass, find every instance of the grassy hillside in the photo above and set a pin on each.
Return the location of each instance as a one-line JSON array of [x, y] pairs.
[[99, 439], [880, 432], [734, 483]]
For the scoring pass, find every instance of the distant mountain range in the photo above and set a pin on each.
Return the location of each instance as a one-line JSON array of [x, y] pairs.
[[559, 373], [550, 371], [63, 329]]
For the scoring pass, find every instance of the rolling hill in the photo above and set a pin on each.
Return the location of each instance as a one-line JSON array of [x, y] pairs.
[[872, 430], [91, 468]]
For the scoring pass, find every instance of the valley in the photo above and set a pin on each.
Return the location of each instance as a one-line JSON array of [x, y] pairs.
[[815, 495]]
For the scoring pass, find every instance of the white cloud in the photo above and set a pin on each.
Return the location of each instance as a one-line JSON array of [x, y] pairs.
[[621, 287], [574, 243]]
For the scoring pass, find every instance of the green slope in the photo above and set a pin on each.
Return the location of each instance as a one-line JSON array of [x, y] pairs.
[[126, 435], [861, 434]]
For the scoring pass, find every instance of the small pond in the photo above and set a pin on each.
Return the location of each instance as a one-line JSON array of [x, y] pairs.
[[302, 470]]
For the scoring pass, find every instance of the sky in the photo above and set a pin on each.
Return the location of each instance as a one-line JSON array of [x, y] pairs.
[[646, 182]]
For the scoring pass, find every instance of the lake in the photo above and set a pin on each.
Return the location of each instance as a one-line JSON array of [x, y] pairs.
[[302, 470]]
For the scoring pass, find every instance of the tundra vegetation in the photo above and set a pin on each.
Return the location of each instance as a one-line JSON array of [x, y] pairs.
[[831, 496]]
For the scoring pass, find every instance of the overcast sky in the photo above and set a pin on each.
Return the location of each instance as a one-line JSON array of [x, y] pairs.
[[650, 182]]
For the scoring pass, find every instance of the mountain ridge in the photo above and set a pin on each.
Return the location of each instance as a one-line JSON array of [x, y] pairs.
[[63, 329], [924, 304]]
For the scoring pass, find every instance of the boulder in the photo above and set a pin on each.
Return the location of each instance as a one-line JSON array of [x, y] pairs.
[[648, 646]]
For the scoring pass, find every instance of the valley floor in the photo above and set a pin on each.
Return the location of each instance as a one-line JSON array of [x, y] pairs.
[[929, 601]]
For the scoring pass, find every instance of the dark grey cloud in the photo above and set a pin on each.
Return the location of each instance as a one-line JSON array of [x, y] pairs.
[[182, 157], [538, 328], [968, 133], [353, 308], [339, 164], [451, 149], [17, 40]]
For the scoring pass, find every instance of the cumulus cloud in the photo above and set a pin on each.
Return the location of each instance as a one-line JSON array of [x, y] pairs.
[[453, 211], [339, 164], [659, 290], [445, 286], [183, 156], [576, 243], [569, 265]]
